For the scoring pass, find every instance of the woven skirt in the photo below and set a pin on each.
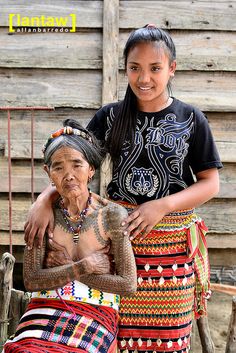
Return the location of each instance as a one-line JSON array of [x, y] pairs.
[[65, 327], [158, 318]]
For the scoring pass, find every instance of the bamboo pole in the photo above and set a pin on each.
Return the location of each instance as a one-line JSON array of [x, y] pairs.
[[6, 269]]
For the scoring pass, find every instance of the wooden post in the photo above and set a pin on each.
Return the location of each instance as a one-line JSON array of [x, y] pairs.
[[110, 51], [6, 269], [231, 338], [18, 303], [110, 71], [205, 336]]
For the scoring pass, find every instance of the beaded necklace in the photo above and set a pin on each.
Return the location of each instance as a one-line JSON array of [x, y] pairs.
[[78, 219]]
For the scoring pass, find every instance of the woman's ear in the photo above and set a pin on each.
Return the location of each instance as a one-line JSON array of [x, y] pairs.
[[91, 173], [46, 169]]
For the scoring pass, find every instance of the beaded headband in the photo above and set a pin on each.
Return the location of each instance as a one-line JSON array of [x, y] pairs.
[[68, 130]]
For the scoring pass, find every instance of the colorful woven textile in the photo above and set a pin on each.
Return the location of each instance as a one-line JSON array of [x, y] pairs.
[[79, 292], [48, 326], [158, 318]]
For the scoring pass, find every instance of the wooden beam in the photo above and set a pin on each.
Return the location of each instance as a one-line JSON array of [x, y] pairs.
[[20, 208], [221, 241], [21, 177], [48, 87], [199, 50], [22, 150], [222, 257], [110, 71], [17, 238], [227, 151], [45, 122], [223, 288], [202, 89], [223, 126], [227, 181], [55, 88], [110, 51], [219, 215], [199, 15], [81, 50]]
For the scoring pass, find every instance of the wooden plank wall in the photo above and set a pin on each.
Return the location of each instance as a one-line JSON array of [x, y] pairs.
[[78, 72]]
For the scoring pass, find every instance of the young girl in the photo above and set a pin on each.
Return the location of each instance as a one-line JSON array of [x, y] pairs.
[[164, 165]]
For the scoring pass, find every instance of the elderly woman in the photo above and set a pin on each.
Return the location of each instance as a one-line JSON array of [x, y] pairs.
[[74, 307]]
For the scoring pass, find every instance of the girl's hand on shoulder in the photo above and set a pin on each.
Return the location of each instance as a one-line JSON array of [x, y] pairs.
[[144, 218]]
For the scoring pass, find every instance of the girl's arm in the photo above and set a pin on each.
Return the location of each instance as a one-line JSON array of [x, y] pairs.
[[40, 218], [150, 213]]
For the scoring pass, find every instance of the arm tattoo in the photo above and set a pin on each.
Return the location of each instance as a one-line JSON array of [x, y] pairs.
[[125, 282], [38, 278]]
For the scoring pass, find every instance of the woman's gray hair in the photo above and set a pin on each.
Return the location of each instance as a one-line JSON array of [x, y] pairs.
[[74, 136]]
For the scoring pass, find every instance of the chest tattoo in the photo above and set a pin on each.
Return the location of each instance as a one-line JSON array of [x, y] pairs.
[[90, 223]]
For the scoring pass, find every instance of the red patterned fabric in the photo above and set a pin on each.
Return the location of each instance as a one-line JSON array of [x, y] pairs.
[[158, 318], [65, 327]]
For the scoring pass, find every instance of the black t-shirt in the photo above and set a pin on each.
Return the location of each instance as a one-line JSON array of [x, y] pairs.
[[169, 147]]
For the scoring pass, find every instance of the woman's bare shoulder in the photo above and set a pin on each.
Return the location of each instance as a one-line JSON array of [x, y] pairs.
[[112, 209]]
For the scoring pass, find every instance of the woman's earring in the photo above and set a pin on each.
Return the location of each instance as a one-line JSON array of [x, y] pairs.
[[52, 183]]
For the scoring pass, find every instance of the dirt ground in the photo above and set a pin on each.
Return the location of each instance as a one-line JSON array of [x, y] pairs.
[[219, 310]]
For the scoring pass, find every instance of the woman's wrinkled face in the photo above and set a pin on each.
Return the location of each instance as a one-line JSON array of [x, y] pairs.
[[70, 172]]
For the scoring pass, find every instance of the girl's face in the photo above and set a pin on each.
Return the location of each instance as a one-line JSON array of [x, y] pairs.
[[148, 71]]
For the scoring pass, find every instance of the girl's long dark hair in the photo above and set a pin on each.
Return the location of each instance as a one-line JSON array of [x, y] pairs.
[[123, 127]]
